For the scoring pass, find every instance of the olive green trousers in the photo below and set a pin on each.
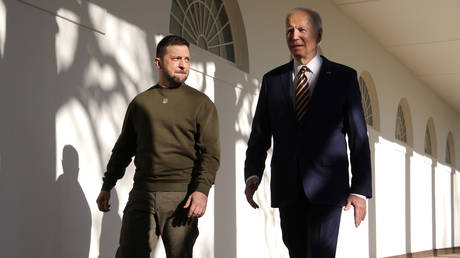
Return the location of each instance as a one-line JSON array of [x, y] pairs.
[[150, 215]]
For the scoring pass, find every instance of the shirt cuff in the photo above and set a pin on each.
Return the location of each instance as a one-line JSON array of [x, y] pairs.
[[359, 195], [253, 176]]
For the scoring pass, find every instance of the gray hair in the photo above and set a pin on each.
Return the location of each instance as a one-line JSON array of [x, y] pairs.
[[315, 17]]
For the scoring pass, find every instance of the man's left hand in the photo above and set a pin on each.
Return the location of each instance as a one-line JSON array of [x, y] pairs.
[[359, 205], [196, 203]]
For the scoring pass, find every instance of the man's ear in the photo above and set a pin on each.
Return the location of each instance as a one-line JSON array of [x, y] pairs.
[[319, 36], [157, 62]]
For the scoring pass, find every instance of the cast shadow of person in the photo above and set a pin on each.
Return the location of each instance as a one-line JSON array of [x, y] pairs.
[[110, 229], [73, 215]]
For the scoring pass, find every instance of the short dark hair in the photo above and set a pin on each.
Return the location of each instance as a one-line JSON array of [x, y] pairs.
[[170, 40]]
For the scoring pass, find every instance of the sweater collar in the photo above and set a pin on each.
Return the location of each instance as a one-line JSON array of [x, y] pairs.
[[158, 86]]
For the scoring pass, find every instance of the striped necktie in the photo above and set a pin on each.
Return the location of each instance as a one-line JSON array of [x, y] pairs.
[[302, 94]]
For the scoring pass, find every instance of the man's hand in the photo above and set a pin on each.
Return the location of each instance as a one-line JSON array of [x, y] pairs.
[[197, 202], [359, 205], [103, 201], [251, 187]]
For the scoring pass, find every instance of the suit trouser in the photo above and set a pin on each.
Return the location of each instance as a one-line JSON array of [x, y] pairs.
[[310, 230], [149, 215]]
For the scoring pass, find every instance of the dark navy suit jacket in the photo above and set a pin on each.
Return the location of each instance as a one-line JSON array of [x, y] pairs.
[[311, 155]]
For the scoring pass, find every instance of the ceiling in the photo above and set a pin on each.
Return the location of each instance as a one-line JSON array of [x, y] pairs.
[[424, 35]]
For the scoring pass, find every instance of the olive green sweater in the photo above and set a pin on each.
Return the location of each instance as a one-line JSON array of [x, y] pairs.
[[174, 135]]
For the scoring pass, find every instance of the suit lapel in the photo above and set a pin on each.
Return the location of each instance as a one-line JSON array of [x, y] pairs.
[[286, 82]]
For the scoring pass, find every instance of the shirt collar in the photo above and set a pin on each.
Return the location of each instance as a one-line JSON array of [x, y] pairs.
[[314, 65]]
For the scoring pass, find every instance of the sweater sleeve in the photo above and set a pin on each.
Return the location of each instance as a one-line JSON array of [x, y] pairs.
[[123, 151], [208, 148]]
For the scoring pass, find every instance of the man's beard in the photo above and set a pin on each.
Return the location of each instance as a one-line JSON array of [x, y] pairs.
[[175, 80]]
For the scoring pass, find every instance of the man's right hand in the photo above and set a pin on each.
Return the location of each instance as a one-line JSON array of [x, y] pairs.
[[103, 201], [251, 187]]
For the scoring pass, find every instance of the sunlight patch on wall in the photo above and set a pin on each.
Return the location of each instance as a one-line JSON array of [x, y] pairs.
[[202, 81], [132, 88], [107, 127], [92, 131], [245, 113], [351, 239], [195, 77], [456, 203], [390, 201], [107, 117], [2, 27], [100, 75], [97, 17], [80, 15], [264, 237], [443, 206], [73, 127], [210, 72], [420, 203], [128, 46], [204, 246], [158, 38], [66, 40]]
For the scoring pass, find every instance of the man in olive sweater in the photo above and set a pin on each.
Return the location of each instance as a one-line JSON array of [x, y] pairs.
[[173, 132]]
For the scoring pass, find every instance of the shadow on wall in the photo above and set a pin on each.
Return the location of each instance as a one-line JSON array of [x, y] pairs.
[[65, 88], [49, 217], [73, 216]]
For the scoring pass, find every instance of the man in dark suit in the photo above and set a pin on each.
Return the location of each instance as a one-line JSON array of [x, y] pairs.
[[309, 106]]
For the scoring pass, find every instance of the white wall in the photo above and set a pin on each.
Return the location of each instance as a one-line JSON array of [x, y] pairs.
[[421, 205], [67, 81], [456, 204], [443, 205]]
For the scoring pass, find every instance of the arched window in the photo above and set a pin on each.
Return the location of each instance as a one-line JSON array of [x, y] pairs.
[[400, 133], [430, 138], [207, 24], [428, 149], [366, 102], [448, 154], [450, 150], [403, 130], [369, 100]]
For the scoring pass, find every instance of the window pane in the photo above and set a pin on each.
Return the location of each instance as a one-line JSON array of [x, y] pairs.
[[227, 34], [223, 19], [204, 23], [366, 102], [448, 155], [400, 133], [229, 52], [216, 5], [177, 11], [428, 148]]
